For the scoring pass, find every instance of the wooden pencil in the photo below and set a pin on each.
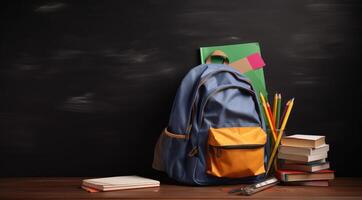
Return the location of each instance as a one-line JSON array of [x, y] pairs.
[[270, 113], [274, 133], [279, 104], [284, 112], [275, 107]]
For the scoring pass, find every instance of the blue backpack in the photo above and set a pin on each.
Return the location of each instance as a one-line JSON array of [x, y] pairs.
[[215, 134]]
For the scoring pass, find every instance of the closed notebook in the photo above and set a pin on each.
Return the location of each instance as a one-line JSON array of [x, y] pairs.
[[303, 150], [120, 183], [306, 168], [290, 175], [299, 140], [302, 158]]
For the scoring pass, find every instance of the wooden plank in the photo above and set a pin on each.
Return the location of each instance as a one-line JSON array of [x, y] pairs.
[[68, 188]]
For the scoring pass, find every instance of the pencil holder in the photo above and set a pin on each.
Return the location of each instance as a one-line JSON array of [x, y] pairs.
[[272, 146], [270, 136]]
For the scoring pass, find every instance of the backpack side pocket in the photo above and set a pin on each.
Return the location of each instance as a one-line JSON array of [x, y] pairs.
[[169, 153]]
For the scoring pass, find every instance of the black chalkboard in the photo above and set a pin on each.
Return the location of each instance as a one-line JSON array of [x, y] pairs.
[[87, 86]]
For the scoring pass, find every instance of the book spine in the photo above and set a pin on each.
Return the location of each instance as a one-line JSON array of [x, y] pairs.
[[280, 176]]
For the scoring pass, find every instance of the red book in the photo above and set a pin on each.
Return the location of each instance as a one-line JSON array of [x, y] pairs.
[[290, 175]]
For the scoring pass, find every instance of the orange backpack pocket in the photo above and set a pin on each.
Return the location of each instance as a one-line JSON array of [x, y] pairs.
[[236, 152]]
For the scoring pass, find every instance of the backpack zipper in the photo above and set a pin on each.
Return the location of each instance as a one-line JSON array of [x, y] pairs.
[[241, 146]]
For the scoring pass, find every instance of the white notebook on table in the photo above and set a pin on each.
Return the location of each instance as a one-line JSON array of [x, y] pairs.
[[120, 183]]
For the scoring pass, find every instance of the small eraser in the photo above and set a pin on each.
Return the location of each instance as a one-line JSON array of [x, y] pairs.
[[256, 61]]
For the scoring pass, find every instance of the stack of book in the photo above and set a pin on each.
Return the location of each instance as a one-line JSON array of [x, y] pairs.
[[118, 183], [303, 161]]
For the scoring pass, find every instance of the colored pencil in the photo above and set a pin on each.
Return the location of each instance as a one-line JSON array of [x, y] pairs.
[[286, 117], [284, 112], [276, 145], [275, 105], [270, 122], [270, 113], [262, 98], [279, 104], [277, 126], [274, 134], [277, 123]]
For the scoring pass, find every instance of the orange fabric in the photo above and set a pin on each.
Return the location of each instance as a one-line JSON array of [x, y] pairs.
[[236, 136], [218, 53], [240, 160], [242, 65]]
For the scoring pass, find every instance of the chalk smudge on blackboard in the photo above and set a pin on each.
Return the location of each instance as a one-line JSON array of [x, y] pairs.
[[306, 78], [142, 75], [82, 103], [50, 7], [88, 103], [133, 56], [65, 54]]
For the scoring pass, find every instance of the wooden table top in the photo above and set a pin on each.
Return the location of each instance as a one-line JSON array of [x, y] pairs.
[[69, 188]]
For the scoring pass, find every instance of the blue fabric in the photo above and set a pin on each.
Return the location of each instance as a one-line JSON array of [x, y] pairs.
[[210, 95]]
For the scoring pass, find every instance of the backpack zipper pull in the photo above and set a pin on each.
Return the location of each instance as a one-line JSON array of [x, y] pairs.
[[193, 152]]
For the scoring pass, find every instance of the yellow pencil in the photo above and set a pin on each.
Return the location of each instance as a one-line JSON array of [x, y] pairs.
[[278, 111], [262, 98], [274, 133], [275, 105], [285, 120], [276, 145]]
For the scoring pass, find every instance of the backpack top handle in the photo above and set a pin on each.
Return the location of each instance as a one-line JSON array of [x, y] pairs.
[[217, 54]]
